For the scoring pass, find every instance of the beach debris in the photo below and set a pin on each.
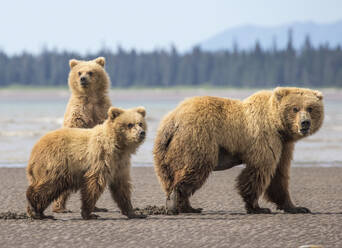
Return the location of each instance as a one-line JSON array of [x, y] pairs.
[[152, 210], [13, 216]]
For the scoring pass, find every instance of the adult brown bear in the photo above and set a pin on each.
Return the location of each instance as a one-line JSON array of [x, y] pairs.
[[204, 134]]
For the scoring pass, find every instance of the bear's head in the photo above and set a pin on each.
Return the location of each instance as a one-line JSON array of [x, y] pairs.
[[88, 77], [301, 111], [128, 125]]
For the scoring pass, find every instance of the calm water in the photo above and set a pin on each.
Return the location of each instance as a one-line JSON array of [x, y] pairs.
[[27, 115]]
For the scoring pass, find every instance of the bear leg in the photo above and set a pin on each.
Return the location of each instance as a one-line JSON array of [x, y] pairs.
[[59, 205], [278, 190], [188, 183], [178, 202], [278, 193], [184, 193], [251, 183], [39, 197], [120, 189], [171, 202], [91, 190]]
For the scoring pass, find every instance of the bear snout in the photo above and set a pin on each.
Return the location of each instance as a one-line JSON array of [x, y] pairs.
[[83, 81], [305, 126], [142, 135]]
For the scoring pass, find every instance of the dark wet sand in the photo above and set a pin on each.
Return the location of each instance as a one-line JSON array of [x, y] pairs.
[[223, 222]]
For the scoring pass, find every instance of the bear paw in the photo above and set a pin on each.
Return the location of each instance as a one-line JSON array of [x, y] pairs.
[[42, 217], [297, 210], [90, 216], [136, 216], [258, 211], [96, 209], [190, 210], [50, 217]]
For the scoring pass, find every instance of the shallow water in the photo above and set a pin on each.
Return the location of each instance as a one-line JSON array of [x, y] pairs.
[[27, 115]]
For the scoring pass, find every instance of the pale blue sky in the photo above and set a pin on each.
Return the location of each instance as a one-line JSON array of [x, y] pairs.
[[86, 25]]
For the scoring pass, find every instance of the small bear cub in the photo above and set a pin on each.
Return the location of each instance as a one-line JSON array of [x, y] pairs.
[[86, 159]]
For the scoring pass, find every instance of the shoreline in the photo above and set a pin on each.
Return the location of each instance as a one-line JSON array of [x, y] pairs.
[[155, 94]]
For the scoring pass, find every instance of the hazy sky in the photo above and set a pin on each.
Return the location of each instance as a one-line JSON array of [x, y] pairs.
[[146, 24]]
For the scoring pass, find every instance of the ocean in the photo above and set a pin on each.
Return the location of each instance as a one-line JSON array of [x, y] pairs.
[[26, 115]]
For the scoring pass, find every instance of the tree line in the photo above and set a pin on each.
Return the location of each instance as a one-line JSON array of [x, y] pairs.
[[308, 67]]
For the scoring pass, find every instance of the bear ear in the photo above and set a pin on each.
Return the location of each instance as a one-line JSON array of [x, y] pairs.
[[141, 110], [280, 92], [114, 112], [73, 62], [101, 61], [318, 94]]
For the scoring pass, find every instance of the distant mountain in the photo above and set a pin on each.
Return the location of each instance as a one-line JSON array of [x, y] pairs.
[[246, 36]]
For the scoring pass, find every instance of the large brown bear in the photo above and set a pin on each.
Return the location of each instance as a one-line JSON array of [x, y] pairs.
[[204, 134], [87, 106], [86, 159]]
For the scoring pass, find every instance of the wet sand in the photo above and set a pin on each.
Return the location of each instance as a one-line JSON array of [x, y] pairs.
[[223, 222]]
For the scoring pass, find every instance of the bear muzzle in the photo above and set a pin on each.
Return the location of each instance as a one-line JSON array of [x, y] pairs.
[[142, 135], [305, 126], [83, 82]]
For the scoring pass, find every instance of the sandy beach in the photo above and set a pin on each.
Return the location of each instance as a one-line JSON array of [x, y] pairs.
[[223, 222]]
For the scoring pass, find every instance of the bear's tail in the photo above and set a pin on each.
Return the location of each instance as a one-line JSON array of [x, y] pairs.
[[163, 169]]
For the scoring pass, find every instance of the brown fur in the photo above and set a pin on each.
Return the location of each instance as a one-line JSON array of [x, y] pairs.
[[88, 104], [204, 134], [86, 159]]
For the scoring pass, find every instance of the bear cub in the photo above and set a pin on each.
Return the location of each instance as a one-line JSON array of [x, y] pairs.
[[86, 159], [89, 101], [87, 106]]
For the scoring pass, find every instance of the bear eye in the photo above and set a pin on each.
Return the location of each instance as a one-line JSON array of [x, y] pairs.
[[90, 73], [140, 124], [130, 125], [309, 109], [79, 73], [295, 110]]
